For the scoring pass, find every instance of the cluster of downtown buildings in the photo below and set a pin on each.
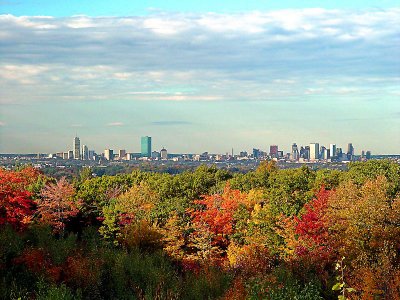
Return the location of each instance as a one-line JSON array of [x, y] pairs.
[[83, 153], [309, 153]]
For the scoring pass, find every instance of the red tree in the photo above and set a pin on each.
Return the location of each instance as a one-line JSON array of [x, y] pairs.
[[311, 242], [16, 205]]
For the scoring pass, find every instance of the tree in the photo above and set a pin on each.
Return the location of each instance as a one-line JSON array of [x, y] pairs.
[[128, 210], [364, 225], [213, 222], [57, 204], [289, 190], [16, 204], [307, 239]]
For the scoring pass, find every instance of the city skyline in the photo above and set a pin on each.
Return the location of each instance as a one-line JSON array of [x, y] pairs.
[[200, 74], [138, 146], [314, 150]]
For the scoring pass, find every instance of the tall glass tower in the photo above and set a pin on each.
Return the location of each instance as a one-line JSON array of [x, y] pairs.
[[146, 146], [314, 151], [77, 148]]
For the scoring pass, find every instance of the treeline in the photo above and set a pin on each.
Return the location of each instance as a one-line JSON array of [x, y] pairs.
[[206, 234]]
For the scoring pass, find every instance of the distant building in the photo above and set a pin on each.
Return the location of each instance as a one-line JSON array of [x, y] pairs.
[[339, 152], [256, 153], [122, 154], [164, 153], [368, 155], [314, 151], [92, 155], [350, 151], [154, 155], [273, 151], [295, 155], [243, 154], [219, 157], [327, 153], [109, 154], [77, 148], [65, 155], [85, 152], [146, 146], [333, 151], [70, 154], [323, 153]]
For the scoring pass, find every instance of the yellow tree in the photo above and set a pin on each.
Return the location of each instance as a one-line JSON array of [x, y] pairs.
[[127, 219], [365, 228]]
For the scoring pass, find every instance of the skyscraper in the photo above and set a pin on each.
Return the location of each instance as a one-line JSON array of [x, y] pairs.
[[327, 154], [350, 151], [146, 146], [85, 152], [122, 154], [295, 152], [314, 151], [273, 151], [323, 153], [77, 148], [109, 154], [256, 153], [332, 148]]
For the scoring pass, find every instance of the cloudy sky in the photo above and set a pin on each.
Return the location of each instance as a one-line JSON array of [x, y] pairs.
[[199, 76]]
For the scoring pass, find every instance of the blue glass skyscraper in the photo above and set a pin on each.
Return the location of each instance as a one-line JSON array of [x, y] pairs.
[[146, 146]]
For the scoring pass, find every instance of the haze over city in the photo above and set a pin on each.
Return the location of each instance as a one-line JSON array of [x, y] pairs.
[[199, 76]]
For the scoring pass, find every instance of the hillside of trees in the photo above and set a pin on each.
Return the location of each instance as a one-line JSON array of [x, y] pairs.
[[206, 234]]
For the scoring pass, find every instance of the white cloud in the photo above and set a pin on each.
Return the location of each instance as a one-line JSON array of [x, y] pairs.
[[198, 57], [25, 74], [115, 124]]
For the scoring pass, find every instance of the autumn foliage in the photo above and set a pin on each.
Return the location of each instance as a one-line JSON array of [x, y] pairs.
[[57, 204], [207, 234], [215, 214], [16, 204]]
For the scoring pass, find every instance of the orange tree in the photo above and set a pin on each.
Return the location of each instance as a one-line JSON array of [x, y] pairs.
[[213, 222]]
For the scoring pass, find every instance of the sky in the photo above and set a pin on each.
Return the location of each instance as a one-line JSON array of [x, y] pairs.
[[199, 76]]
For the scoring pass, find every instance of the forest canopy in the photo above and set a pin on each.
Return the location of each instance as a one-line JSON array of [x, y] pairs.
[[202, 234]]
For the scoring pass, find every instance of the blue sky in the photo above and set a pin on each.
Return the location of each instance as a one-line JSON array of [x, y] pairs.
[[199, 76], [129, 7]]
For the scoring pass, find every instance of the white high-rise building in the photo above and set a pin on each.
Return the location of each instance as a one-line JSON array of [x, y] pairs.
[[327, 154], [77, 148], [109, 154], [85, 152], [332, 148], [314, 151]]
